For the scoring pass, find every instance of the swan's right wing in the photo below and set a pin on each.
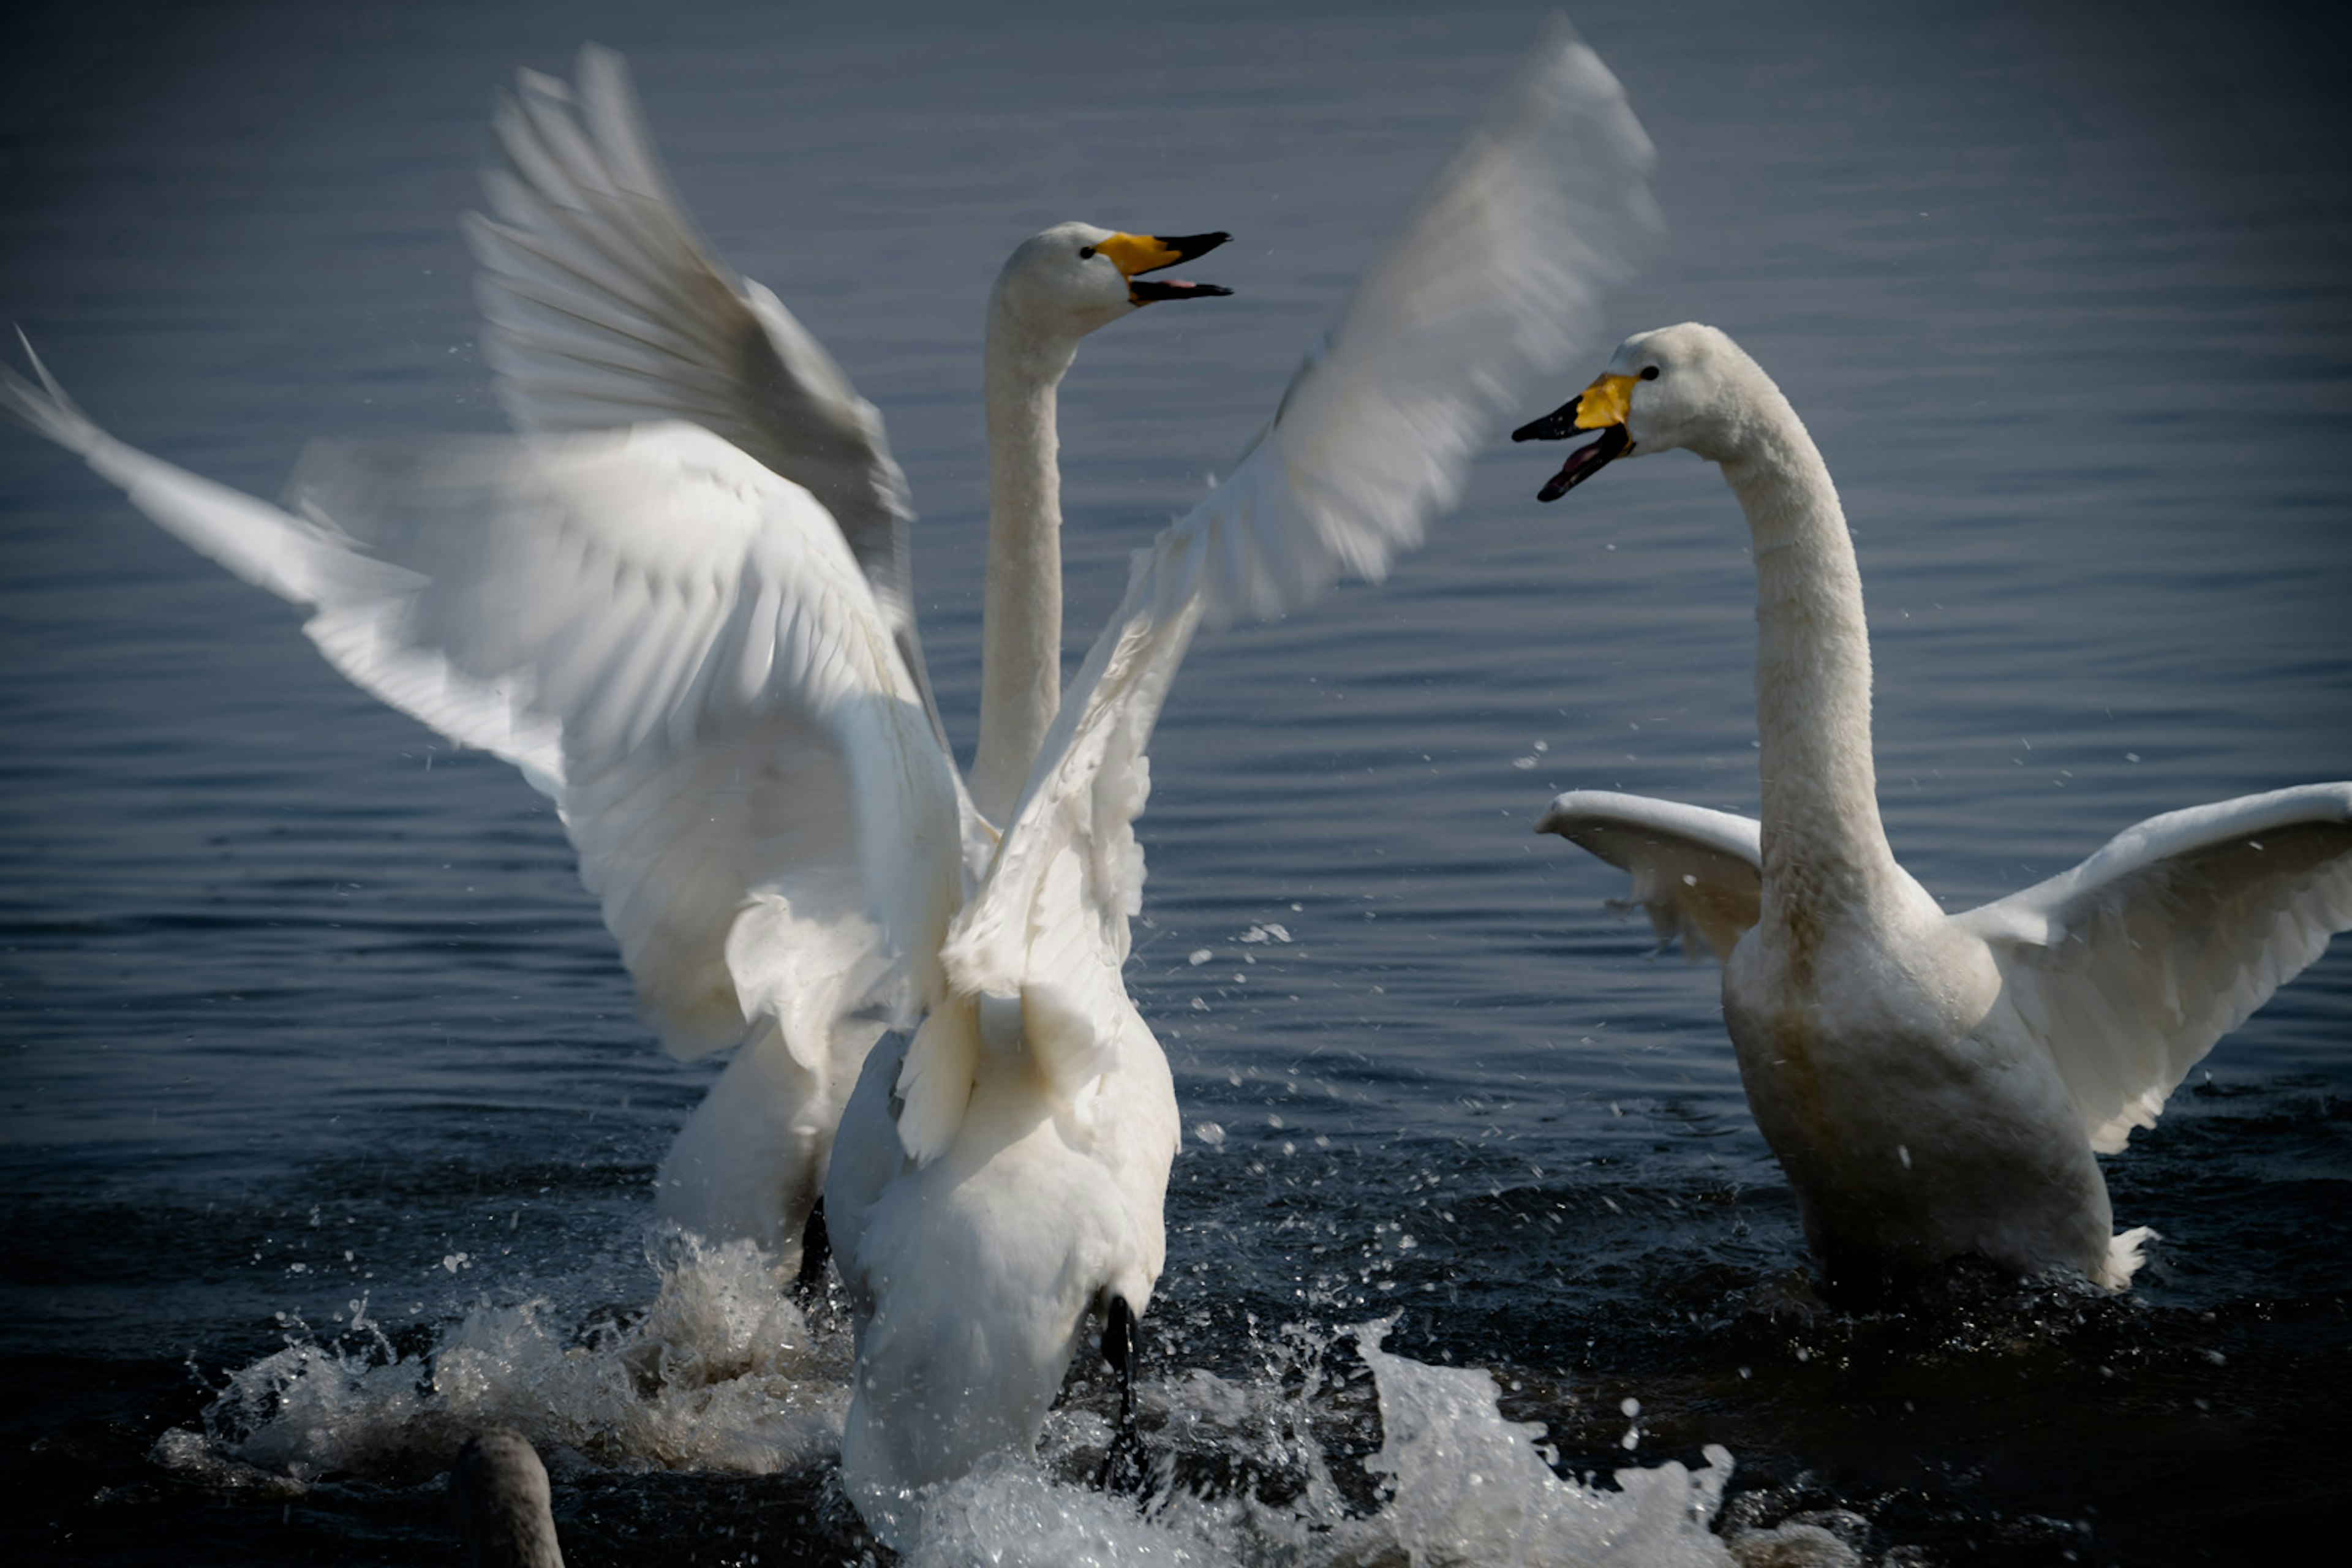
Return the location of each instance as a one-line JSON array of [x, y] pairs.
[[606, 308], [672, 642], [1492, 285], [2131, 965], [1699, 874]]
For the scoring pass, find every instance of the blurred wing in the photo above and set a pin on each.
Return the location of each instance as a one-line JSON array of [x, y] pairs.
[[1492, 284], [748, 774], [1699, 874], [2130, 966], [675, 643], [605, 308]]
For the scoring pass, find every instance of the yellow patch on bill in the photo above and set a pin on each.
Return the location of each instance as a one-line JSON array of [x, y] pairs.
[[1135, 253], [1603, 402]]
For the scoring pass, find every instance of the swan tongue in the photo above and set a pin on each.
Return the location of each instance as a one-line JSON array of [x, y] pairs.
[[1587, 461]]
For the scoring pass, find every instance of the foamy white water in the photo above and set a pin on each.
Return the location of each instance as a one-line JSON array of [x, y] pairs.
[[721, 1372]]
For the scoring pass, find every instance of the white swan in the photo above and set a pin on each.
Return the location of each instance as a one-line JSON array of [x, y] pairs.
[[1934, 1085], [1000, 1180], [562, 604]]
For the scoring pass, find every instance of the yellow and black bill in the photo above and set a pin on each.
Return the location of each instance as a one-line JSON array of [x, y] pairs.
[[1136, 254], [1601, 407]]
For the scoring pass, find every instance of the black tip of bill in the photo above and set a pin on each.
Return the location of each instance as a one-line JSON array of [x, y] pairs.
[[1557, 426], [1188, 245]]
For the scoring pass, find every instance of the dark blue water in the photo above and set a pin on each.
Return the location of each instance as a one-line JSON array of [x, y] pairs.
[[299, 1009]]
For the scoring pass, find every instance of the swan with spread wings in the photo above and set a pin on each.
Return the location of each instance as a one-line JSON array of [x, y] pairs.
[[1934, 1085], [679, 604], [639, 604]]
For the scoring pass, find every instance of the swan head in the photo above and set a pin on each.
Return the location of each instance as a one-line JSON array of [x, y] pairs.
[[1075, 278], [1686, 387]]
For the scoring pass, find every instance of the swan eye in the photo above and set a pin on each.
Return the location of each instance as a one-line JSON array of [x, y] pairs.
[[1087, 254], [1649, 373]]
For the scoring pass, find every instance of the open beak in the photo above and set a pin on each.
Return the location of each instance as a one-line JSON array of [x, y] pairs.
[[1136, 254], [1601, 407]]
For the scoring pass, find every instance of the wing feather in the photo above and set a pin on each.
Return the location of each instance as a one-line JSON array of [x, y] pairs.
[[605, 308], [1699, 873], [2131, 965], [1494, 282]]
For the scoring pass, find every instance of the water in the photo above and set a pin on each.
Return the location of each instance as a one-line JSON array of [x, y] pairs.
[[315, 1049]]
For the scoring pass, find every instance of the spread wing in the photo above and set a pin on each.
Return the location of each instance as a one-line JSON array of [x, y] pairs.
[[675, 645], [1699, 874], [1492, 285], [605, 308], [2130, 966]]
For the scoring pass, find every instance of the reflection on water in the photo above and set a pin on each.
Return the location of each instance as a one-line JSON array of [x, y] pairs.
[[322, 1079]]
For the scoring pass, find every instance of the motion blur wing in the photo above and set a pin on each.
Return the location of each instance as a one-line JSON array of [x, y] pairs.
[[605, 308], [671, 641]]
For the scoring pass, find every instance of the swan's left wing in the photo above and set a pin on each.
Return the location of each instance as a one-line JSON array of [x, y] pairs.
[[1493, 284], [604, 307], [2130, 966], [1699, 873]]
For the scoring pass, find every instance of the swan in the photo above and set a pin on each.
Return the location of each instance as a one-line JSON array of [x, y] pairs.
[[1934, 1085], [999, 1177], [710, 665], [569, 644]]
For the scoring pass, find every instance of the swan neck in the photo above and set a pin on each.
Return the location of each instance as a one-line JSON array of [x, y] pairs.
[[1821, 822], [1021, 625]]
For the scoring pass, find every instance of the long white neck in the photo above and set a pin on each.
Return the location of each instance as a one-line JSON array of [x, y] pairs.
[[1822, 830], [1021, 615]]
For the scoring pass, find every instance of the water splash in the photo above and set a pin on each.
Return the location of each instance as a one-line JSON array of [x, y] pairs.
[[1461, 1485], [720, 1372]]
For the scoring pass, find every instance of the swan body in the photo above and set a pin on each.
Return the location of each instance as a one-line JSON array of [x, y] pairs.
[[678, 601], [1934, 1085]]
